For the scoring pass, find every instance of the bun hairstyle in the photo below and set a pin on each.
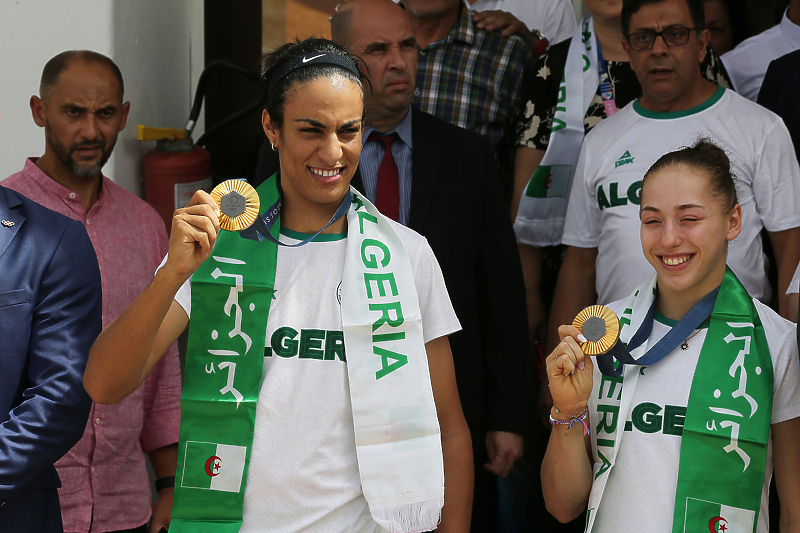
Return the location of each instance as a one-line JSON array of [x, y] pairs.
[[303, 61], [711, 160]]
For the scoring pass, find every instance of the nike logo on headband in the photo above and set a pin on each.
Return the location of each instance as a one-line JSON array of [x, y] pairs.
[[307, 59]]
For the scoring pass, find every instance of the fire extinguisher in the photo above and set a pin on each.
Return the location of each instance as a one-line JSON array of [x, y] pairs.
[[177, 167]]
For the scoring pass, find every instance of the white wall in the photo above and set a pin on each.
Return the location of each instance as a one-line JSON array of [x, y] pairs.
[[158, 46]]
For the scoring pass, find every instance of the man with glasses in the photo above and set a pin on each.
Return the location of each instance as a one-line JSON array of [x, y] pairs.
[[665, 43]]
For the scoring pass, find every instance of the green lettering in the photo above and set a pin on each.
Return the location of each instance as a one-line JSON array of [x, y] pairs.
[[586, 63], [646, 418], [602, 199], [604, 422], [635, 192], [380, 279], [283, 342], [612, 385], [385, 317], [606, 443], [674, 417], [311, 343], [616, 201], [628, 426], [384, 337], [362, 216], [334, 346], [386, 368], [372, 260], [562, 92], [605, 466]]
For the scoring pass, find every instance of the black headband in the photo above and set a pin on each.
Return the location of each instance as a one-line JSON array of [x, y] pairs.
[[319, 58]]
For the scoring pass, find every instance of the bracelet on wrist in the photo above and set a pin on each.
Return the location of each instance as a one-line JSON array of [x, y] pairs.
[[569, 422], [165, 482]]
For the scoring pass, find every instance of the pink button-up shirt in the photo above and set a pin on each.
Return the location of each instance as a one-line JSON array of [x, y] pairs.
[[104, 477]]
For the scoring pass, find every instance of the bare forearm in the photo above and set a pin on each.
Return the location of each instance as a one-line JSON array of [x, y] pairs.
[[566, 473], [575, 290], [122, 355], [458, 481], [164, 460], [526, 161]]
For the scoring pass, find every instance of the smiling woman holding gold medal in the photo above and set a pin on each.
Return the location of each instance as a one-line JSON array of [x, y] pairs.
[[319, 391], [678, 424]]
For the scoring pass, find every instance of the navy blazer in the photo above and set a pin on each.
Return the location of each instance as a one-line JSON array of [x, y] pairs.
[[50, 314]]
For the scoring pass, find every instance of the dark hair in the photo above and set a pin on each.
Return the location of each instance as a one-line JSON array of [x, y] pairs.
[[274, 100], [736, 19], [631, 7], [56, 66], [708, 158]]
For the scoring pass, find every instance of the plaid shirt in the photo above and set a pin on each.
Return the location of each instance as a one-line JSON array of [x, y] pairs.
[[472, 78]]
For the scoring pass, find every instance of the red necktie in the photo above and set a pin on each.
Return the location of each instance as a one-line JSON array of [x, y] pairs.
[[387, 197]]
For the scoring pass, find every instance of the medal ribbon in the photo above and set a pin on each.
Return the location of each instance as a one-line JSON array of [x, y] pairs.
[[262, 226], [685, 326]]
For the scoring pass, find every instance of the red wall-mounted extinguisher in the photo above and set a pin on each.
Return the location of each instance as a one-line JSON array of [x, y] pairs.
[[177, 167]]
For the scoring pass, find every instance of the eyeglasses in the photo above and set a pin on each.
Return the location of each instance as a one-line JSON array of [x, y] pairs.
[[673, 36]]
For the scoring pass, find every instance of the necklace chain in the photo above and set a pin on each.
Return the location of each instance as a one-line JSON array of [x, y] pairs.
[[685, 343]]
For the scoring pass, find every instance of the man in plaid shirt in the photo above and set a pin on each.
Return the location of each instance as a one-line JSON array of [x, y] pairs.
[[468, 76]]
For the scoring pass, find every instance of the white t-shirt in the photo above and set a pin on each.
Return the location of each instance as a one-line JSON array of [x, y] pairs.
[[554, 18], [640, 493], [303, 473], [603, 210], [747, 63]]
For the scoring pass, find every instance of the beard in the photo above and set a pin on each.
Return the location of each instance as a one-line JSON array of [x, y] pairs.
[[66, 154]]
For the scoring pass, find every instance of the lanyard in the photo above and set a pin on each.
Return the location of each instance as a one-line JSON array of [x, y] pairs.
[[681, 330], [261, 228], [606, 91]]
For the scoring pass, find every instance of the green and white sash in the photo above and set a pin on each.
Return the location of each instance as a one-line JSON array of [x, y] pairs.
[[727, 420], [397, 435], [543, 207]]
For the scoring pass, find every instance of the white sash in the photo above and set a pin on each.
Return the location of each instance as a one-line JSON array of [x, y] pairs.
[[615, 403], [543, 207], [397, 435]]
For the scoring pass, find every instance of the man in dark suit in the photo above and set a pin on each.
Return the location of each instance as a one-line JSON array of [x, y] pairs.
[[446, 188], [780, 90], [49, 317]]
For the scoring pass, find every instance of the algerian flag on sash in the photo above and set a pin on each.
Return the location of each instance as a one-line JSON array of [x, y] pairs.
[[543, 206], [728, 415], [702, 515], [211, 466], [398, 441]]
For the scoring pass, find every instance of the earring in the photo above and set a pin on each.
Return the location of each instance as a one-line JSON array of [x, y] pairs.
[[273, 147]]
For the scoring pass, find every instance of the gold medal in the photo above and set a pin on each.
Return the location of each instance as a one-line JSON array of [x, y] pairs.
[[600, 326], [238, 204]]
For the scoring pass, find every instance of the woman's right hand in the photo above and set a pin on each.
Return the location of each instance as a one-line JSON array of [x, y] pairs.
[[194, 233], [569, 372]]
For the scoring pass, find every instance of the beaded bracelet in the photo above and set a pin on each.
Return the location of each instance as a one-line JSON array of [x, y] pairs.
[[572, 419]]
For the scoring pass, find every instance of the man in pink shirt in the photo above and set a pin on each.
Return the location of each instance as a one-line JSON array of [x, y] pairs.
[[105, 485]]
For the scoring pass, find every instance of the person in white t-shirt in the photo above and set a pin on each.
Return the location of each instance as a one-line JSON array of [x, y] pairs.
[[650, 424], [555, 19], [747, 63], [677, 107], [304, 471]]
